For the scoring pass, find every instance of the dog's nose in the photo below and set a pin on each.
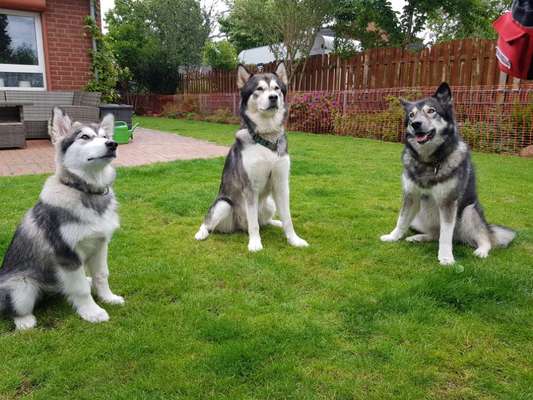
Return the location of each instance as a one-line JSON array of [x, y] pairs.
[[416, 125], [273, 98], [111, 144]]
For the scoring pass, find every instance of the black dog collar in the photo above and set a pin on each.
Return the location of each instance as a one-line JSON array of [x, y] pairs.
[[77, 184], [273, 146]]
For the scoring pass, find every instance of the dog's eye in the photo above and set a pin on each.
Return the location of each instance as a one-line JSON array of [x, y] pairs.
[[260, 89], [276, 88], [431, 110], [411, 114], [85, 137]]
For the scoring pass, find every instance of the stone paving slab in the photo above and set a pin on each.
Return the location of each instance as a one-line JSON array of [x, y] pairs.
[[149, 146]]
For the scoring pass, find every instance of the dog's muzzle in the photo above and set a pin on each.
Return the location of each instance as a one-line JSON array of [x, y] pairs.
[[273, 102], [111, 152], [424, 137]]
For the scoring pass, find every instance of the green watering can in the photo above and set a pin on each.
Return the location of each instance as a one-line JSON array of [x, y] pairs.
[[122, 134]]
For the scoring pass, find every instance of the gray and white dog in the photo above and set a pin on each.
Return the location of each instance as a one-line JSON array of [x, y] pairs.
[[69, 228], [440, 199], [255, 179]]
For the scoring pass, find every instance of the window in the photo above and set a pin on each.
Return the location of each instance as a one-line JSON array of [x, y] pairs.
[[21, 51]]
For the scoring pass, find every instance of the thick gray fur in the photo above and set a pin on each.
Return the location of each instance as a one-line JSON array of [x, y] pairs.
[[440, 184]]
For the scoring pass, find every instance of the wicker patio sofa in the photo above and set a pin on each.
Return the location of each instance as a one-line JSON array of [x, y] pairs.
[[80, 106], [12, 133]]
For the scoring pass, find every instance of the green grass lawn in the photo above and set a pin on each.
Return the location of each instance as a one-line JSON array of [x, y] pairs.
[[347, 318]]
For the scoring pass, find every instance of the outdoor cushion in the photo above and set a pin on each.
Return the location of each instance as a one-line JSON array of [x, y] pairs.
[[514, 49]]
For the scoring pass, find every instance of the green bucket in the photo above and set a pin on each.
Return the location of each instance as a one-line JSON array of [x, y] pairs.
[[122, 134]]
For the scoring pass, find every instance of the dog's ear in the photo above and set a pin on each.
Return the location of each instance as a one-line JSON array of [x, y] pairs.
[[108, 125], [444, 93], [281, 73], [242, 76], [405, 103], [61, 125]]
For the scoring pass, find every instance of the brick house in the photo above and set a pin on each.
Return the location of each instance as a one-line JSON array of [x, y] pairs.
[[43, 44]]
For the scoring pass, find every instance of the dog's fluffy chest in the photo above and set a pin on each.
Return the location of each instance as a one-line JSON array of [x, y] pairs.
[[93, 217], [438, 191], [258, 163]]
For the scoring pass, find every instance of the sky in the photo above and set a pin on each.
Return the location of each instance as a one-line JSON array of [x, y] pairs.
[[397, 5]]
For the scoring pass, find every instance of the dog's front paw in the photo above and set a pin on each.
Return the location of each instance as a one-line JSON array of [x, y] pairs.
[[202, 233], [418, 238], [297, 241], [25, 322], [255, 245], [113, 299], [391, 237], [446, 260], [93, 314], [481, 253]]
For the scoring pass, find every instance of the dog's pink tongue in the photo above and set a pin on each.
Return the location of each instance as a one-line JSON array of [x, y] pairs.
[[421, 139]]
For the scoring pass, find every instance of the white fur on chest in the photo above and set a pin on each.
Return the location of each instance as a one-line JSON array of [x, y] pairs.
[[438, 192], [259, 162]]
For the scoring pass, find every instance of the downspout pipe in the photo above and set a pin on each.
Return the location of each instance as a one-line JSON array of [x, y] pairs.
[[92, 7]]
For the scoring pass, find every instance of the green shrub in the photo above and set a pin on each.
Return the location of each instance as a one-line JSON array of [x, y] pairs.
[[223, 116], [105, 70], [384, 125]]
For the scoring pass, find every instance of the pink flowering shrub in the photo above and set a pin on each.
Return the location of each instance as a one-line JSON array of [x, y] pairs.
[[313, 112]]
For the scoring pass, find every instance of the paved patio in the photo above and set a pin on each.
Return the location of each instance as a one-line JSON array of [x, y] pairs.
[[149, 147]]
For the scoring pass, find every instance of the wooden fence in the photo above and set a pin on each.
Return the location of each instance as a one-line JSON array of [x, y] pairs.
[[467, 62]]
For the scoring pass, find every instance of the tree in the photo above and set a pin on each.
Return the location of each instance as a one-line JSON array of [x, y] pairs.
[[220, 55], [372, 22], [105, 70], [212, 12], [5, 40], [451, 19], [240, 33], [289, 27], [375, 24], [155, 38], [468, 19]]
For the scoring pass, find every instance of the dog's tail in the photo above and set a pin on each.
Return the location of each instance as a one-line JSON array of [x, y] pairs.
[[5, 299], [6, 289], [501, 236]]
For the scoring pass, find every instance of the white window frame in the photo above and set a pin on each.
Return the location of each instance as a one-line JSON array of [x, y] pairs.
[[41, 67]]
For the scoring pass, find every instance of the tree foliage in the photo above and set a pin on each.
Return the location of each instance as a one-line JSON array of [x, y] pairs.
[[5, 40], [375, 24], [22, 54], [288, 27], [155, 38], [372, 22], [237, 28], [220, 55], [105, 70], [468, 19]]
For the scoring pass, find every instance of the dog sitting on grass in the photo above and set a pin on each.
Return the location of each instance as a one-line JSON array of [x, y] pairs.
[[440, 199], [255, 179], [67, 232]]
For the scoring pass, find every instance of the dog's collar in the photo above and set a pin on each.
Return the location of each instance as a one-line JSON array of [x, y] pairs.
[[84, 187], [273, 146]]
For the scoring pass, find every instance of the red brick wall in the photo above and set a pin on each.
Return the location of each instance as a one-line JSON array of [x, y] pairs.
[[67, 44]]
